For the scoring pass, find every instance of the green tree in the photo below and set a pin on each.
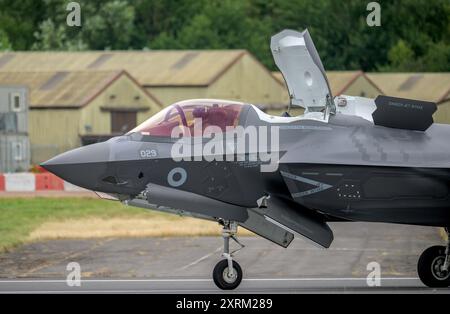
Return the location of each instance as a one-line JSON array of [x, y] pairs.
[[19, 20], [4, 41], [105, 25], [415, 34], [110, 26], [401, 57], [52, 37], [437, 58], [225, 24]]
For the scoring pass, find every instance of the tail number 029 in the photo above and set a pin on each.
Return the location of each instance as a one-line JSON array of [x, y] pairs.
[[148, 153]]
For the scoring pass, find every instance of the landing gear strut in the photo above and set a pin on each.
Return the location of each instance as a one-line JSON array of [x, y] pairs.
[[227, 274], [434, 265]]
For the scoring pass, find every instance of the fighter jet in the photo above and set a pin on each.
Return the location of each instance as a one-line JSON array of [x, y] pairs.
[[345, 159]]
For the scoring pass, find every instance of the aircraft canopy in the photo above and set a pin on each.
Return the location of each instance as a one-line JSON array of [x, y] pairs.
[[220, 114]]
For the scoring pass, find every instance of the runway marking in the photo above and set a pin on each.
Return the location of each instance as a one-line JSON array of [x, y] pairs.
[[200, 259], [206, 280]]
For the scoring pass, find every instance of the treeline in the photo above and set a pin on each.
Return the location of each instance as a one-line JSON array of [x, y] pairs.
[[414, 34]]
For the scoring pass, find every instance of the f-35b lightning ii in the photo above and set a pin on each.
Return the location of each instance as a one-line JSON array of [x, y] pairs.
[[345, 159]]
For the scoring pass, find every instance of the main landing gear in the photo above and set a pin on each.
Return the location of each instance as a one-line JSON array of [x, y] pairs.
[[227, 274], [434, 265]]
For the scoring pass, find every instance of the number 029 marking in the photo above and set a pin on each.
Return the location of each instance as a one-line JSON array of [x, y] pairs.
[[148, 153]]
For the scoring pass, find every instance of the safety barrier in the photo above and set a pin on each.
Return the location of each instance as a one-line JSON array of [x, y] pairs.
[[2, 182], [30, 182], [20, 182], [48, 181]]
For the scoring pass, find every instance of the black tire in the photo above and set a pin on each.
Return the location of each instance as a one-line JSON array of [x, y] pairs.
[[220, 272], [429, 268]]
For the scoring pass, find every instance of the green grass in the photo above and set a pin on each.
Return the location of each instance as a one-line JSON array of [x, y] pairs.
[[20, 216]]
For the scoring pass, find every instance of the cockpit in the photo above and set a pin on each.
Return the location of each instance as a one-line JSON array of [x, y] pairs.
[[219, 116]]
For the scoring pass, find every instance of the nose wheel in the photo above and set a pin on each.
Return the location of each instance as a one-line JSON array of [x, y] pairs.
[[227, 274], [434, 266]]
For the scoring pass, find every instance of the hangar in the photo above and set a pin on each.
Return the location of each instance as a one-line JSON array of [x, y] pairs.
[[433, 87], [170, 75], [70, 109]]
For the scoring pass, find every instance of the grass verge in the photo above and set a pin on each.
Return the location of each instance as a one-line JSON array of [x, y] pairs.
[[443, 234], [23, 220]]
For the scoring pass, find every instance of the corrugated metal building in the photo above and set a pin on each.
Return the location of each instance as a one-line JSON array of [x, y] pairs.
[[433, 87], [352, 83], [169, 75], [68, 109], [14, 142]]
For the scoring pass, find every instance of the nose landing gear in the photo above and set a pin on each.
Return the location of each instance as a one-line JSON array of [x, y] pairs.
[[434, 265], [227, 274]]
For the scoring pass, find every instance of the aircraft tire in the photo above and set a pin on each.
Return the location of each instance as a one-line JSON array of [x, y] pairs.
[[429, 268], [221, 278]]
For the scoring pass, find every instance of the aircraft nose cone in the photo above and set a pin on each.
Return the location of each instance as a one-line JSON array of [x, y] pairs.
[[82, 166]]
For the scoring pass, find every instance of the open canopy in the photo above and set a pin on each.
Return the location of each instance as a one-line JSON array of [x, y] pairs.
[[297, 58]]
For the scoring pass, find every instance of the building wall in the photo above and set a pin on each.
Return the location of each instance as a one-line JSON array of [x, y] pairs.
[[442, 115], [21, 116], [294, 112], [171, 95], [14, 153], [14, 142], [361, 87], [248, 81], [52, 132], [123, 93]]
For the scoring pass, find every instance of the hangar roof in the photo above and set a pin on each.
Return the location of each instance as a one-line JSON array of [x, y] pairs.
[[421, 86], [150, 68], [64, 89]]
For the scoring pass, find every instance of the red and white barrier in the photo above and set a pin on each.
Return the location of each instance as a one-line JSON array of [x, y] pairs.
[[48, 181], [2, 182], [31, 182], [20, 182]]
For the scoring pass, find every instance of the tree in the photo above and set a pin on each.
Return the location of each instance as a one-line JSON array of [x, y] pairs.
[[106, 25], [52, 37], [225, 24], [437, 58], [110, 26], [19, 20], [401, 57], [414, 36], [4, 41]]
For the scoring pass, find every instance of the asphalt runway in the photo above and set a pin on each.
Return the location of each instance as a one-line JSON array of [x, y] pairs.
[[184, 265], [206, 286]]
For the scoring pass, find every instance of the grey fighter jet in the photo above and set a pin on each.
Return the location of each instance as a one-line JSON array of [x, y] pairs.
[[345, 159]]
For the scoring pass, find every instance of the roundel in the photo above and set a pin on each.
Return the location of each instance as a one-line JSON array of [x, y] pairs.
[[177, 177]]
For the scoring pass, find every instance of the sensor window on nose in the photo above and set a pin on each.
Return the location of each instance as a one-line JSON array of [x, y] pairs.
[[110, 179]]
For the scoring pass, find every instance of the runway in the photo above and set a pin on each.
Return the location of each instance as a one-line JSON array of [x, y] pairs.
[[206, 286], [184, 265]]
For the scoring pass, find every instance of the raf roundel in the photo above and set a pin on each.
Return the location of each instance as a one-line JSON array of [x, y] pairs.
[[177, 177]]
